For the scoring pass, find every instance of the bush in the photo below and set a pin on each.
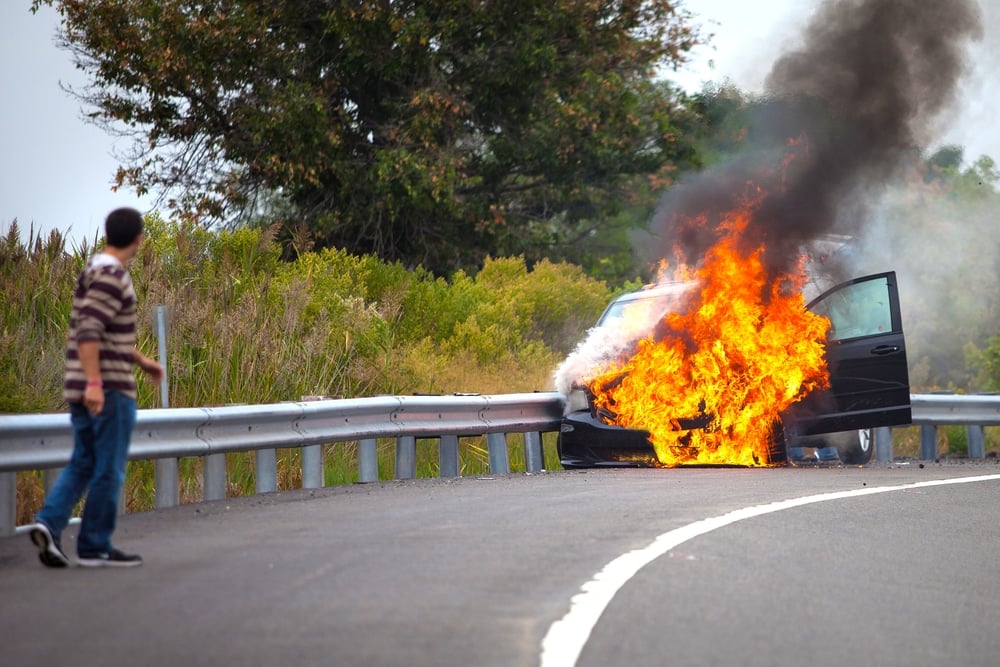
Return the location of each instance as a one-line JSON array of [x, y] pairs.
[[244, 326]]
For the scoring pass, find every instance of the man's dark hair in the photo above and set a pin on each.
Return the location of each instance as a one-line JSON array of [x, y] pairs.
[[122, 226]]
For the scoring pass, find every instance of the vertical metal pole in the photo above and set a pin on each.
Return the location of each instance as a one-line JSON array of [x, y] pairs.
[[406, 457], [161, 337], [166, 476], [533, 460], [266, 469], [8, 503], [166, 481], [215, 476], [312, 460], [883, 443], [496, 444], [367, 460], [448, 456], [49, 477], [928, 442], [312, 467], [977, 441]]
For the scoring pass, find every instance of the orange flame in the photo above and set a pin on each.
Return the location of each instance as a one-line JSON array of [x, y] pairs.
[[741, 352]]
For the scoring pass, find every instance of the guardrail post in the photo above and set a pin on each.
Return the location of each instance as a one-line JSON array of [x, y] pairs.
[[406, 457], [266, 469], [448, 456], [977, 441], [928, 442], [533, 459], [49, 478], [312, 467], [215, 476], [496, 444], [166, 481], [883, 443], [161, 347], [367, 460], [8, 503]]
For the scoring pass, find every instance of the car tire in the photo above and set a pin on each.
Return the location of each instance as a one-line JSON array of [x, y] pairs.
[[851, 447], [855, 447], [777, 449]]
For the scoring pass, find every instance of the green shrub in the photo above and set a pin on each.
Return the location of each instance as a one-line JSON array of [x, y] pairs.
[[244, 326], [956, 440]]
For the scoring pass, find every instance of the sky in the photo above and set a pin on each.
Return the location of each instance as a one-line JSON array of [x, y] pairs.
[[56, 169]]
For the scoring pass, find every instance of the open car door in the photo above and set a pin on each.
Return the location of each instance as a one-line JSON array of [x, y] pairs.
[[866, 356]]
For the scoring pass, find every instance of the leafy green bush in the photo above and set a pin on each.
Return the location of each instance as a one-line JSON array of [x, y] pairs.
[[244, 326]]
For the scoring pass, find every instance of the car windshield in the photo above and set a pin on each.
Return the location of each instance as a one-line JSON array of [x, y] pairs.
[[647, 306]]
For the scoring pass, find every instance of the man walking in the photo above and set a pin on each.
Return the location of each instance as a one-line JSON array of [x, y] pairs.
[[99, 386]]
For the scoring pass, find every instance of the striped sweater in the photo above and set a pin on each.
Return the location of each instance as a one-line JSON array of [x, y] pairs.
[[103, 310]]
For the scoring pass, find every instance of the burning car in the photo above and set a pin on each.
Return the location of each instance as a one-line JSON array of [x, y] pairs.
[[691, 374]]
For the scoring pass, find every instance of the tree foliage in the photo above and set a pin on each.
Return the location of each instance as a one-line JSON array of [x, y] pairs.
[[433, 132]]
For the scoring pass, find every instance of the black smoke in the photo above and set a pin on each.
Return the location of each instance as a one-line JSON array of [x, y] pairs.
[[857, 97]]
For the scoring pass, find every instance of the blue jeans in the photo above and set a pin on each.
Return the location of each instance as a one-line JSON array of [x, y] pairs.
[[97, 467]]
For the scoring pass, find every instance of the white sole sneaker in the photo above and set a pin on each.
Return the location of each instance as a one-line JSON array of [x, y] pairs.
[[113, 558], [48, 548]]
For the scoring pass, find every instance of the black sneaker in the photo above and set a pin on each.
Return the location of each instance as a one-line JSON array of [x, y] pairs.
[[113, 558], [49, 551]]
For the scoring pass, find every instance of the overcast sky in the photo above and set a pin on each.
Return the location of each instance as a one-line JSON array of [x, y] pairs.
[[56, 170]]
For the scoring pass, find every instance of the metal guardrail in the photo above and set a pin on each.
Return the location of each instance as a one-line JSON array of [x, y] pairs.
[[938, 409], [974, 411], [45, 441]]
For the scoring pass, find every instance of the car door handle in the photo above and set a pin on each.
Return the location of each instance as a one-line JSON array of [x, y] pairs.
[[885, 349]]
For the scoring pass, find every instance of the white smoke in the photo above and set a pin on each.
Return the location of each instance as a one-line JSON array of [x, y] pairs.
[[614, 339], [944, 245]]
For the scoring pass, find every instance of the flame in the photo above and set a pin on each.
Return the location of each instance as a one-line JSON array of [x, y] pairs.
[[741, 351]]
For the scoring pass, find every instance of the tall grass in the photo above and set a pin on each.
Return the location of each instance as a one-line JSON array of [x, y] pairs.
[[36, 279], [246, 327]]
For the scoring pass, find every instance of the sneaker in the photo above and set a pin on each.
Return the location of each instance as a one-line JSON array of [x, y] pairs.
[[113, 558], [49, 551]]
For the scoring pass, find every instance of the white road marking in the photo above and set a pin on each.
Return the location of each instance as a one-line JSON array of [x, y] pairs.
[[566, 638]]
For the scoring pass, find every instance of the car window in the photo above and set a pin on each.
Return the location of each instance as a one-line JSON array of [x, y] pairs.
[[638, 309], [644, 307], [860, 309]]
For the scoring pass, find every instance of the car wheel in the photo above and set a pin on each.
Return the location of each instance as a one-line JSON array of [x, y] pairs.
[[847, 447], [854, 447], [777, 450]]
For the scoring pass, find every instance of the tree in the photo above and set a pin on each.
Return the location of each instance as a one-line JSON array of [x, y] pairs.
[[434, 132], [946, 159]]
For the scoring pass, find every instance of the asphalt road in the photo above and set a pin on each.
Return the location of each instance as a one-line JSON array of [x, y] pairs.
[[698, 567]]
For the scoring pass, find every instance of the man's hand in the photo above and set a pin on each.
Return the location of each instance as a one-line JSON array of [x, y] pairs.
[[153, 369], [93, 395], [93, 398]]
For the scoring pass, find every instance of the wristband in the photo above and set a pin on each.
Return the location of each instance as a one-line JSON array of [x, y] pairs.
[[95, 384]]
